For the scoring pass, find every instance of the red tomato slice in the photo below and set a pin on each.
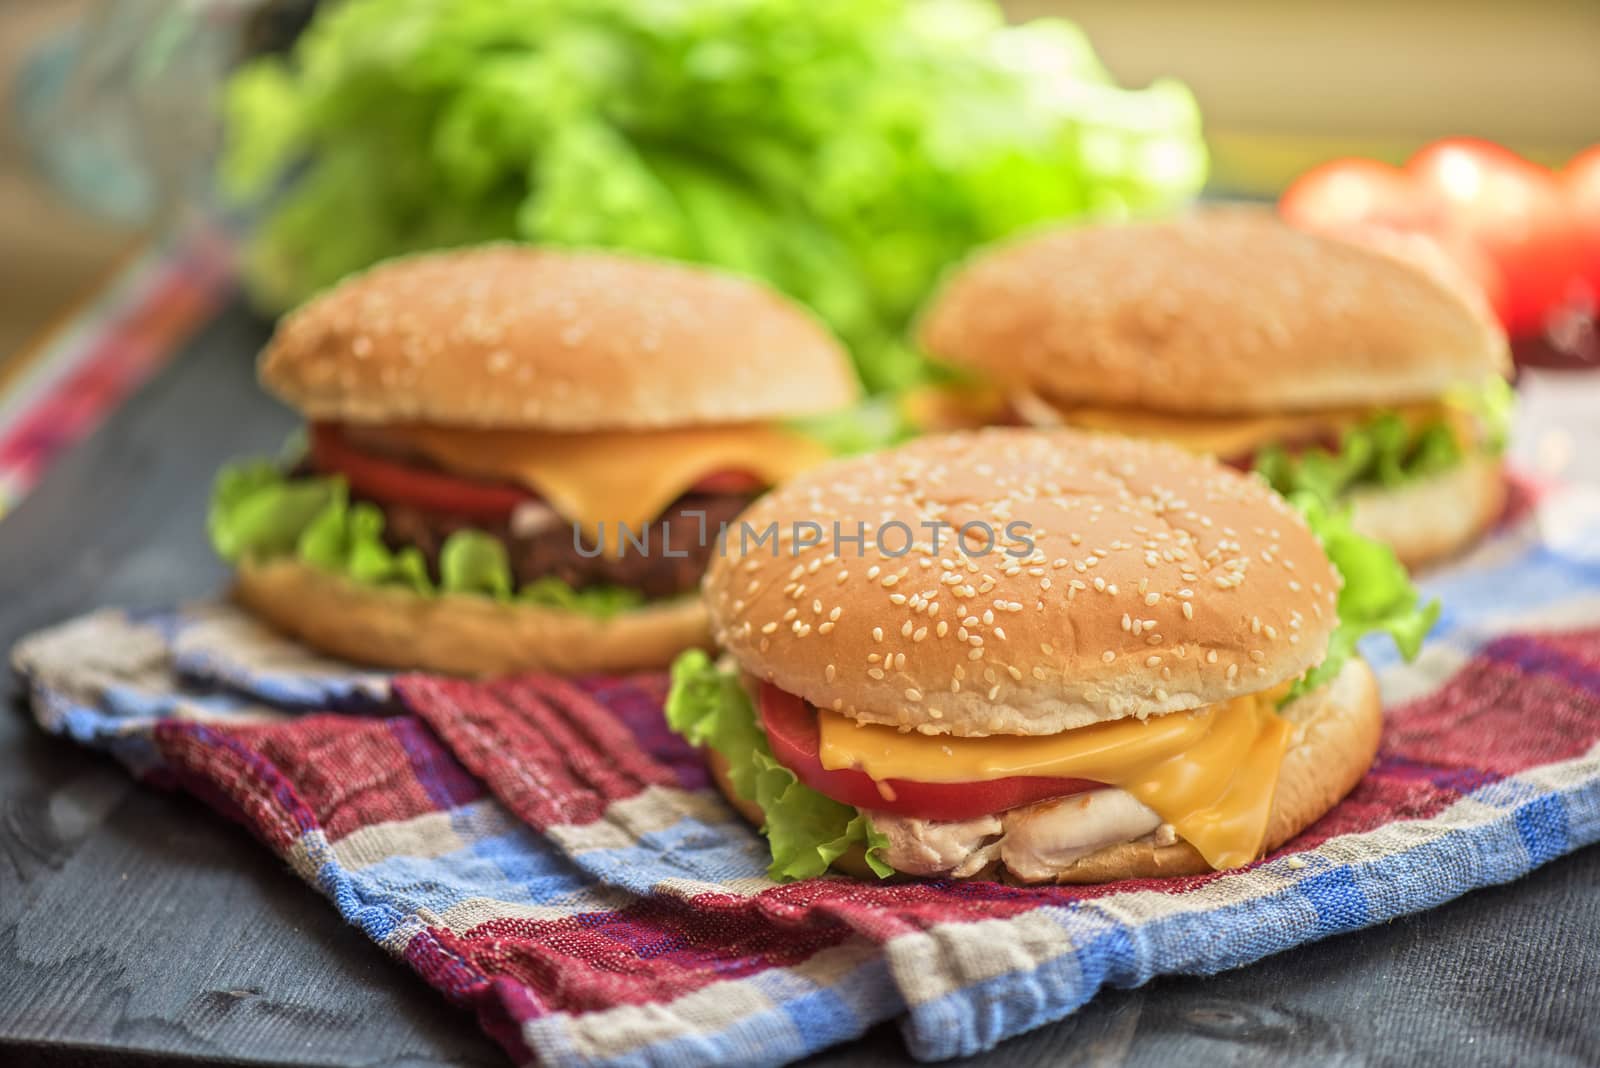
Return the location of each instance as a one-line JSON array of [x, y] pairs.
[[791, 726], [728, 482], [397, 482]]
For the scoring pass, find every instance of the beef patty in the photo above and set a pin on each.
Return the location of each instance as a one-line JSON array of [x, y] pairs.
[[550, 549]]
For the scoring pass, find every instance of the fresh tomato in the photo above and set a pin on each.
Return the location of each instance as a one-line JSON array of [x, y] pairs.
[[1358, 192], [1506, 223], [1514, 211], [397, 482], [1581, 180], [1384, 208], [792, 731]]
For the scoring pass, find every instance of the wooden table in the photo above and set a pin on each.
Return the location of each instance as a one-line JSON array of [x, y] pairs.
[[137, 928]]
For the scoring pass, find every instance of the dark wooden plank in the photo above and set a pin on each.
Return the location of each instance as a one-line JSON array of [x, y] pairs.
[[135, 922], [136, 928]]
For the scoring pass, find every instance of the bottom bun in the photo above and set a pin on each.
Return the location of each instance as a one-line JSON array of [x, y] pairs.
[[461, 634], [1434, 517], [1335, 740]]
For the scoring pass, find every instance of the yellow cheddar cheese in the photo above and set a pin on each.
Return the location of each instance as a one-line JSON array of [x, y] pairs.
[[1230, 436], [1210, 773], [616, 477]]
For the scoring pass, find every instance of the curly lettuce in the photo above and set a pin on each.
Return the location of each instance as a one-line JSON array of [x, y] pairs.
[[708, 706], [261, 513], [707, 130], [1377, 596], [1386, 451]]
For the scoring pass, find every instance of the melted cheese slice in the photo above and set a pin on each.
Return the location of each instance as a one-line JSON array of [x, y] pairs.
[[1210, 773], [615, 477], [1234, 435]]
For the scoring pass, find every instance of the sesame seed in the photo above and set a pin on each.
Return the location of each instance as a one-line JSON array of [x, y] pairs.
[[1014, 672], [876, 673], [770, 628], [1233, 671], [1188, 610], [877, 634], [1257, 655], [829, 672], [1151, 661], [1152, 598], [913, 694], [1211, 656], [1108, 656]]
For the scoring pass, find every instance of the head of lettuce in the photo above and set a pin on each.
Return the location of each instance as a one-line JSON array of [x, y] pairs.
[[844, 151]]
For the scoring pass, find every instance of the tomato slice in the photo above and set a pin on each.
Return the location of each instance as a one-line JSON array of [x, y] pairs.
[[791, 726], [397, 482], [728, 482]]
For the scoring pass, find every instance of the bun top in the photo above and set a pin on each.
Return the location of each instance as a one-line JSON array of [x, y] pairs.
[[517, 337], [1155, 581], [1225, 311]]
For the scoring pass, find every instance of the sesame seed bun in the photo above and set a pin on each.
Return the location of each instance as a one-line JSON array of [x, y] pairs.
[[457, 633], [1336, 737], [1225, 311], [1157, 581], [1433, 518], [511, 336]]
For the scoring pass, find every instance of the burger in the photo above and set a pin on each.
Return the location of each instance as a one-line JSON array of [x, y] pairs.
[[1330, 368], [1047, 656], [518, 458]]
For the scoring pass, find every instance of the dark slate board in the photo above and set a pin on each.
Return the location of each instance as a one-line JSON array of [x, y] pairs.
[[136, 928]]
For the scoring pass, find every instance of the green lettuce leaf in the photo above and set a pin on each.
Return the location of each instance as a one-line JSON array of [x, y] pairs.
[[259, 512], [1377, 596], [1385, 451], [1494, 404], [806, 831], [1382, 451], [703, 130]]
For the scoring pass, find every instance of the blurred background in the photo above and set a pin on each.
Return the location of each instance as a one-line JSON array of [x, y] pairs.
[[111, 127]]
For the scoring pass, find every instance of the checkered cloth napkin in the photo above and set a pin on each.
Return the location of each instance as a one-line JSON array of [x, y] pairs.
[[547, 854]]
